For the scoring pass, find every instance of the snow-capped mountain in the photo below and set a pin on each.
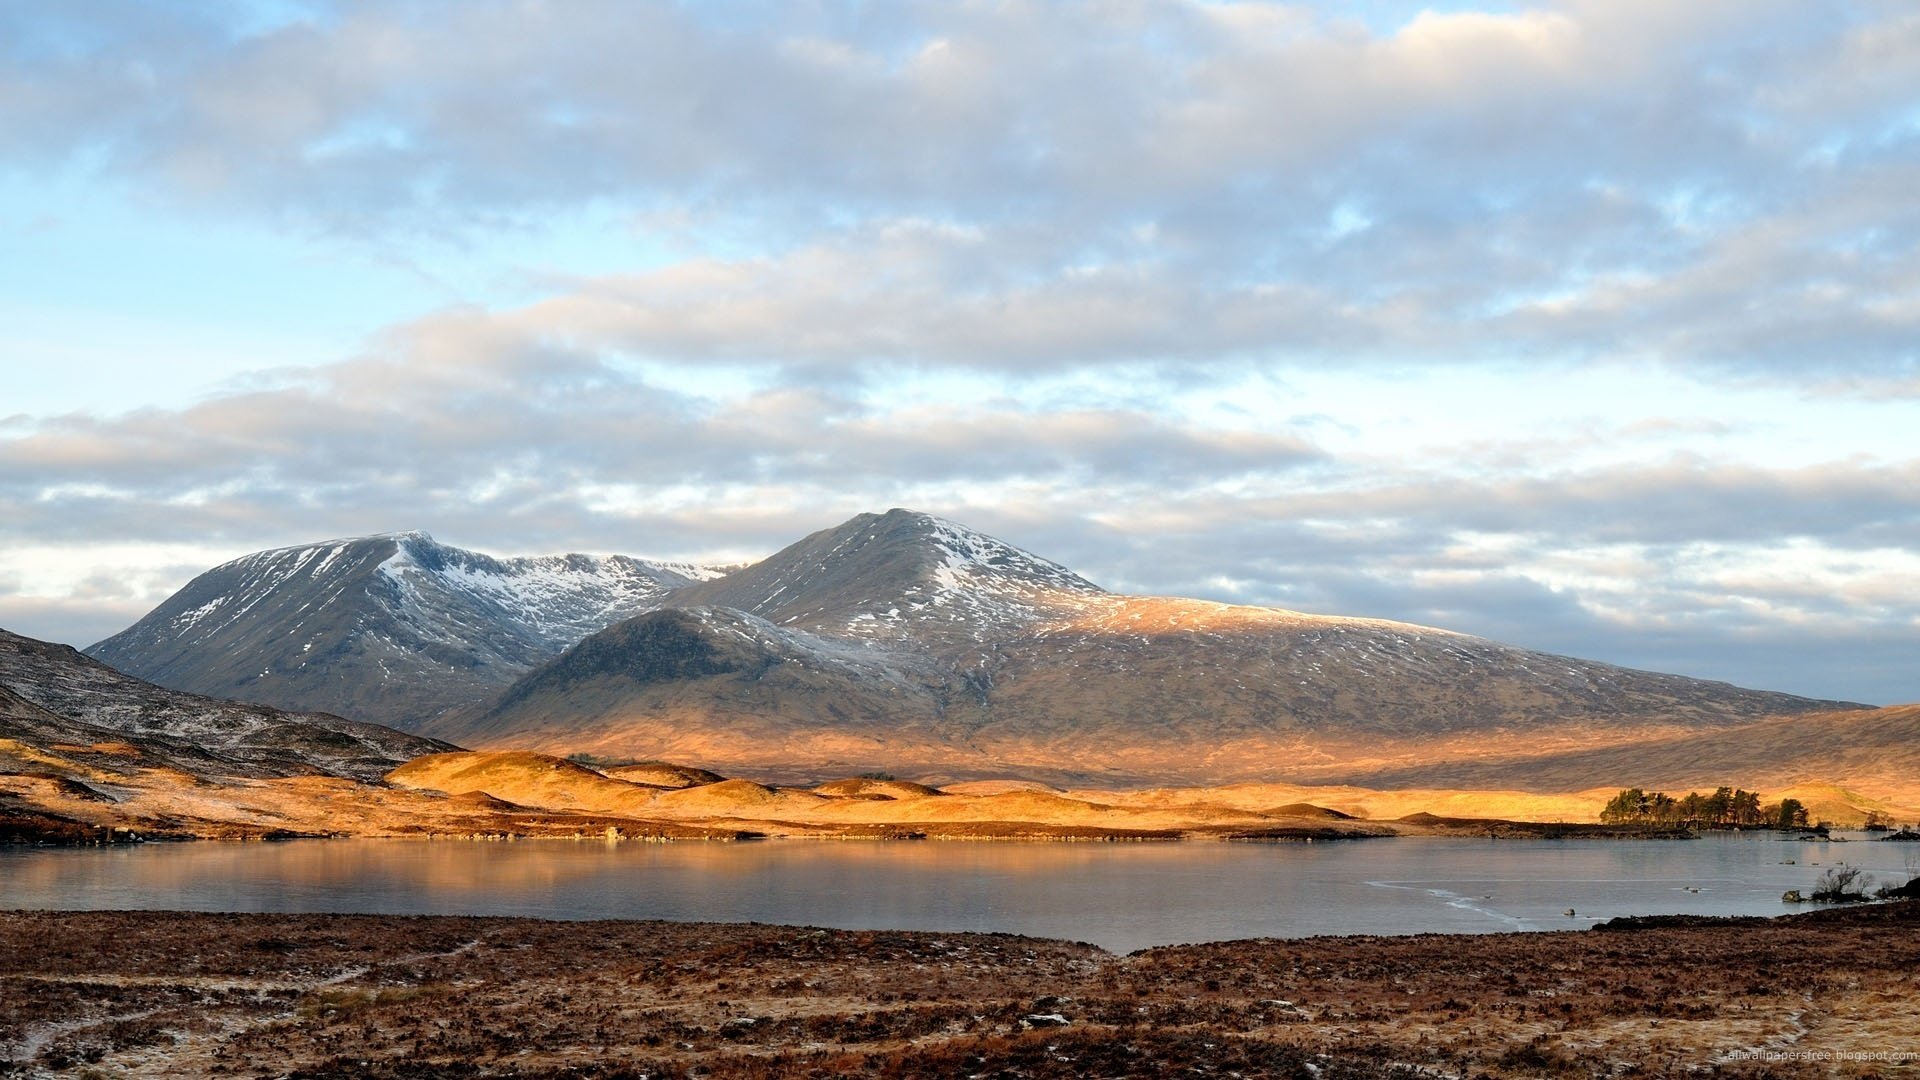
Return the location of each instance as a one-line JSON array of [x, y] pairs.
[[901, 641], [899, 576], [56, 700], [394, 628]]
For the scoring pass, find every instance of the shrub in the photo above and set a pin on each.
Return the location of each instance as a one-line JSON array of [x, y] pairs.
[[1842, 884]]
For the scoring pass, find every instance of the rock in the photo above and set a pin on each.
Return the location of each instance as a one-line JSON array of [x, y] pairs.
[[1791, 896], [1040, 1020]]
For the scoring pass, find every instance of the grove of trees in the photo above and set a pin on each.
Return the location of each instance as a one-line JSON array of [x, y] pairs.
[[1726, 808]]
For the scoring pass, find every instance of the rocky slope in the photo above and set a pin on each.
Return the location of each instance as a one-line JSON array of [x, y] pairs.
[[392, 628], [58, 703], [903, 642]]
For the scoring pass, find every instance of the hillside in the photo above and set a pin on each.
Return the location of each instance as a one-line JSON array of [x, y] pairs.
[[392, 628], [857, 807], [88, 754], [55, 699], [1874, 751], [903, 642]]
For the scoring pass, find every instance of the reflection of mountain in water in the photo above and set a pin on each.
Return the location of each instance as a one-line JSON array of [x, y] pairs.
[[1121, 897]]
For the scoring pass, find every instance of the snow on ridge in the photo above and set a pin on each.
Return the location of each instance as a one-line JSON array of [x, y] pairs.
[[338, 545], [444, 593], [970, 560], [557, 598], [417, 549], [690, 571]]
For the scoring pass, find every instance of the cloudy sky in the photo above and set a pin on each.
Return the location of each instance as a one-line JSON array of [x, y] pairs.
[[1588, 326]]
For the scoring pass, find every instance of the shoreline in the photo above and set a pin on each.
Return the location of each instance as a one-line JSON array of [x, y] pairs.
[[1800, 910], [1035, 837], [602, 829], [1907, 910]]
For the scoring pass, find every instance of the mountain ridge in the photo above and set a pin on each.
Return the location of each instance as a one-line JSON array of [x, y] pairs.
[[900, 641], [396, 626], [898, 654]]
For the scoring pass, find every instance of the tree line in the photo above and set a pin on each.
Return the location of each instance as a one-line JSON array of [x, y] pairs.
[[1726, 808]]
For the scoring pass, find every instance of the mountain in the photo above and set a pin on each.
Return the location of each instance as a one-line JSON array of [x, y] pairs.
[[55, 700], [899, 576], [395, 628], [905, 642]]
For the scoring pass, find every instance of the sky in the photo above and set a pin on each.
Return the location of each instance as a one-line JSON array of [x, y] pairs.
[[1589, 326]]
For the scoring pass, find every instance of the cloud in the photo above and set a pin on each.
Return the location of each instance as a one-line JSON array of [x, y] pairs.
[[1715, 186], [78, 594], [453, 431], [1073, 273], [493, 436], [68, 622], [1792, 616], [974, 108]]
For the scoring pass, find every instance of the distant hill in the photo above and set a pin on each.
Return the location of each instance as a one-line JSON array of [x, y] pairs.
[[393, 628], [901, 641], [56, 702]]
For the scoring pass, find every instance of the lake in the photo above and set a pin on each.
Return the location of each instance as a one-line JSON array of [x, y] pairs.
[[1119, 896]]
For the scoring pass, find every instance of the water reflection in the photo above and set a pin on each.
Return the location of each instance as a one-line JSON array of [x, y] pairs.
[[1121, 896]]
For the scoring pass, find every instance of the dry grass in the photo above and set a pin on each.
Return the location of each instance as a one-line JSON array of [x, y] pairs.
[[167, 994], [662, 774], [531, 794]]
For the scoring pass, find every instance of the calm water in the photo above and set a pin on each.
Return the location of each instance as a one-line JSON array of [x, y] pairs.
[[1120, 896]]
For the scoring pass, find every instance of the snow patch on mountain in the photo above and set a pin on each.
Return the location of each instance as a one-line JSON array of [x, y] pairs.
[[863, 658], [973, 560], [980, 585], [559, 599]]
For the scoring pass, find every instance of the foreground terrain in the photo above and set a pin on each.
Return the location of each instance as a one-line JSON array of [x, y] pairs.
[[1833, 993]]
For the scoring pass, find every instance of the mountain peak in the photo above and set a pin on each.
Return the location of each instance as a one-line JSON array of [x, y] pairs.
[[972, 558], [903, 565]]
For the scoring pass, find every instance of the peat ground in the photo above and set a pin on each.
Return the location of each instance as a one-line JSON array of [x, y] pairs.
[[1828, 993]]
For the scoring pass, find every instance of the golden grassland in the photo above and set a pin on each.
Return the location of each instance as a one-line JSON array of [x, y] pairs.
[[82, 789]]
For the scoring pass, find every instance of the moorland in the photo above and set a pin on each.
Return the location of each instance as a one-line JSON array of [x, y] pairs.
[[1829, 993]]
